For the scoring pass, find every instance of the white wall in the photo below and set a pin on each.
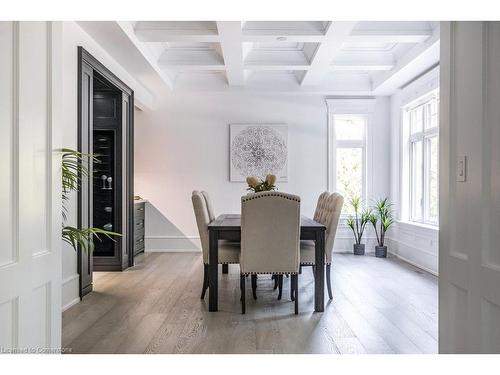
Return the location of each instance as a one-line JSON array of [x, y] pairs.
[[184, 145], [417, 244], [72, 37]]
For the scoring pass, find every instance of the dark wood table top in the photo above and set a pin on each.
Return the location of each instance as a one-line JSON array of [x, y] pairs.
[[233, 221]]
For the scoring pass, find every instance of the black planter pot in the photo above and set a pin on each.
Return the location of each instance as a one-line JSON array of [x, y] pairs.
[[381, 251], [359, 249]]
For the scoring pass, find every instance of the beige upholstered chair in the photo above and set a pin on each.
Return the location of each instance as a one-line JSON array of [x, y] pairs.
[[270, 237], [327, 213], [211, 213], [229, 252]]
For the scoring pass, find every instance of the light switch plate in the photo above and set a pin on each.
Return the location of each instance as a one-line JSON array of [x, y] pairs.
[[461, 168]]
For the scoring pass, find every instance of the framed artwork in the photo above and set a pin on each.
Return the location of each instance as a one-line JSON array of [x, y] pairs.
[[257, 150]]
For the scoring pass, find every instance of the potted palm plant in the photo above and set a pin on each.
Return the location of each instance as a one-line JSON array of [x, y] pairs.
[[357, 223], [382, 215], [73, 169]]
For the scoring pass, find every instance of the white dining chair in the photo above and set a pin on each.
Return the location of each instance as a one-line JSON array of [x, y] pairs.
[[229, 252], [270, 238]]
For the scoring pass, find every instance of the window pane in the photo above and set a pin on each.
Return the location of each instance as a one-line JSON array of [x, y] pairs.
[[432, 114], [416, 119], [349, 165], [417, 177], [349, 128], [433, 178]]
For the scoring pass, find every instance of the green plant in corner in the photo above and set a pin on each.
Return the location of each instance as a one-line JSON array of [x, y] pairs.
[[73, 170], [358, 222], [382, 215]]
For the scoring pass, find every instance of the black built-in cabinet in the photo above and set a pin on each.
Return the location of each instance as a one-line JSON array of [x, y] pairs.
[[105, 199]]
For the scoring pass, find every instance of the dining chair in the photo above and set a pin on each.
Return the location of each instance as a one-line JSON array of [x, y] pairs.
[[211, 213], [229, 252], [270, 238], [328, 211]]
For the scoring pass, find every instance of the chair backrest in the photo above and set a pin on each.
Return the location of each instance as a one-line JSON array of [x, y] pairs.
[[320, 206], [211, 213], [329, 210], [202, 220], [270, 231]]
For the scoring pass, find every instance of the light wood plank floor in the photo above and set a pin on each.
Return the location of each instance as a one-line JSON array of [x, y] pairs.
[[378, 306]]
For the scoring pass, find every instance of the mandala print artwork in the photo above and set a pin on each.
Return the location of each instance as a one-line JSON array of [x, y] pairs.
[[258, 150]]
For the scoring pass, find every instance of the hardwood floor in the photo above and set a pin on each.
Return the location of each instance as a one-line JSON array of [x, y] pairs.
[[378, 306]]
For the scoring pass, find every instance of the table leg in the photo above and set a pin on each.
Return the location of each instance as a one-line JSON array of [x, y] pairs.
[[213, 277], [319, 274]]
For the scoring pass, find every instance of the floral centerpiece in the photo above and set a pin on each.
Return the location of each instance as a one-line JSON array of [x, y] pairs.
[[257, 185]]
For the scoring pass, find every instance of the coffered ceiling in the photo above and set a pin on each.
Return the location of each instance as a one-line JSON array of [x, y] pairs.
[[285, 56]]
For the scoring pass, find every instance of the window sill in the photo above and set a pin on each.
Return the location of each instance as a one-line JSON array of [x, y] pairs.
[[418, 225]]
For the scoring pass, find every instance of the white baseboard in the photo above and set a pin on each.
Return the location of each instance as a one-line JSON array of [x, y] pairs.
[[424, 256], [172, 250], [71, 304], [414, 264], [172, 243], [70, 295]]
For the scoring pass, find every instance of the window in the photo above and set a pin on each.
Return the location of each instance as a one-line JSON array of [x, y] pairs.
[[350, 150], [423, 155]]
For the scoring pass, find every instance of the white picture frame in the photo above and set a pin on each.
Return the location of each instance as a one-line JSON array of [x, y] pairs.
[[257, 150]]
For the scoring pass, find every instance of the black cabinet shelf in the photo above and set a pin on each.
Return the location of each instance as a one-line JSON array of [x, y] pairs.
[[105, 197]]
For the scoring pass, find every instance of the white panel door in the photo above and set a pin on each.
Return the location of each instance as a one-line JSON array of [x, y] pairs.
[[30, 188], [469, 269]]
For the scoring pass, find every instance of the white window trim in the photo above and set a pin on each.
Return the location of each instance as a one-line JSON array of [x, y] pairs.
[[405, 176], [358, 107]]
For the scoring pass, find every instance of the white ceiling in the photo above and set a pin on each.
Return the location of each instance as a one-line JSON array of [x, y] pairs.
[[284, 56]]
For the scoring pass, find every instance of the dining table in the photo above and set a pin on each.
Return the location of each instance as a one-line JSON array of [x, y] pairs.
[[228, 227]]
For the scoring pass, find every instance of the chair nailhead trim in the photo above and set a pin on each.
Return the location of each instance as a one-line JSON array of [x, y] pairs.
[[270, 194], [269, 273], [312, 264], [224, 263]]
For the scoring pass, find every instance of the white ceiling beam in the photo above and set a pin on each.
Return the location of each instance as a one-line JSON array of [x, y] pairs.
[[389, 36], [232, 51], [161, 36], [336, 35], [150, 58], [176, 31], [416, 61]]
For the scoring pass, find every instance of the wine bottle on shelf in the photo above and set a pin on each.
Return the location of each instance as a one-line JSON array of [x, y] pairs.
[[108, 226]]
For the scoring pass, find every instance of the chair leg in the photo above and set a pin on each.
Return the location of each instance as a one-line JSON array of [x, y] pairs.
[[295, 282], [328, 282], [242, 288], [254, 286], [300, 269], [225, 268], [205, 281], [280, 286], [275, 278], [313, 267], [292, 290]]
